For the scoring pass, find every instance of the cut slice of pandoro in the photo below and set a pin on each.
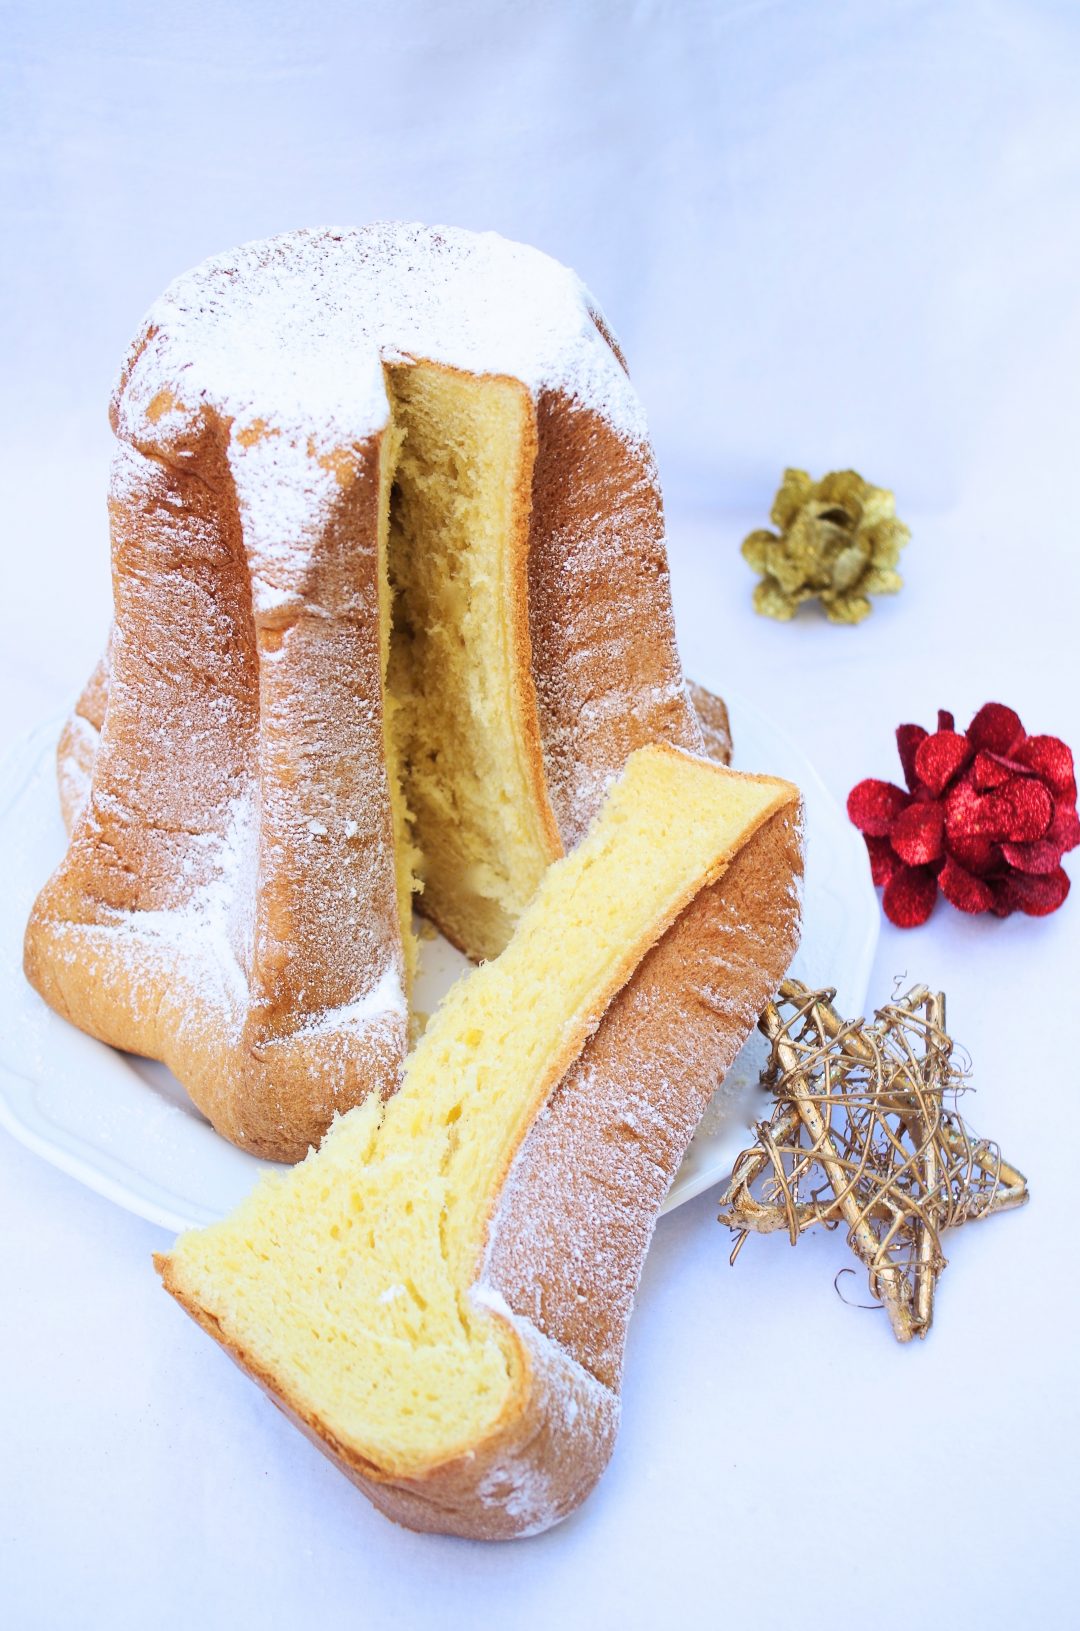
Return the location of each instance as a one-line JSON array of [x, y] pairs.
[[439, 1296]]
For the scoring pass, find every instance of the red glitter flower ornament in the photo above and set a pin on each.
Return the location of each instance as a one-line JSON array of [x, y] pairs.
[[986, 818]]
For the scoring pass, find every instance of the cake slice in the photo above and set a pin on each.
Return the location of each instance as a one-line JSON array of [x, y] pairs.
[[439, 1296]]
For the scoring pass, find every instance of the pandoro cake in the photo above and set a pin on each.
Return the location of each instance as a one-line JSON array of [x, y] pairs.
[[391, 608]]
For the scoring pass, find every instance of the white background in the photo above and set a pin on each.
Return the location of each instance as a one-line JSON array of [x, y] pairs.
[[827, 234]]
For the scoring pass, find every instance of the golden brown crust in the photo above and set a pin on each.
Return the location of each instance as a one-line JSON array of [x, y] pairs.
[[606, 666], [618, 1125], [714, 721], [573, 1219]]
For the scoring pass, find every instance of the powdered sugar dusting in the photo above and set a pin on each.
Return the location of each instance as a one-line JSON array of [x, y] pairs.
[[528, 1480], [386, 997], [75, 767], [208, 940], [294, 330]]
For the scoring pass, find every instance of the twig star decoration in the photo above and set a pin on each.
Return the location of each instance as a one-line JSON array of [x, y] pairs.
[[865, 1133]]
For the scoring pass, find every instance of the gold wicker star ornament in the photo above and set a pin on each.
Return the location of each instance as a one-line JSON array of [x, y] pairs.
[[865, 1134], [838, 542]]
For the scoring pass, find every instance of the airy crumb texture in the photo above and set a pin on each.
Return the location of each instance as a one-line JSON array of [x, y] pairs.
[[463, 726], [350, 1286]]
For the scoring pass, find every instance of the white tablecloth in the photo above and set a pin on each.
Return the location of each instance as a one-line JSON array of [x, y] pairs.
[[830, 234]]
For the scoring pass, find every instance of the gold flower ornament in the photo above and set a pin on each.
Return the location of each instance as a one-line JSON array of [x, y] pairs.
[[838, 542]]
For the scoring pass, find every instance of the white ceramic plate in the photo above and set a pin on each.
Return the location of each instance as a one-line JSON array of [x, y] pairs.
[[125, 1126]]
